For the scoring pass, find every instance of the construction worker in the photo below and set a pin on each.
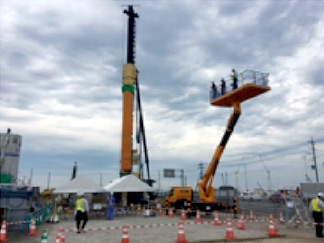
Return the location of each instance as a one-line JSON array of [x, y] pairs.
[[213, 91], [316, 207], [81, 209], [235, 79], [223, 86], [111, 206]]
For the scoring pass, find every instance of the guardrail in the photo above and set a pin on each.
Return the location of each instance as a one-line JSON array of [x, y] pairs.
[[245, 77]]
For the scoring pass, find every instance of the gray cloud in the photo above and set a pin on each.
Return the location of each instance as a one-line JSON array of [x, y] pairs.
[[61, 66]]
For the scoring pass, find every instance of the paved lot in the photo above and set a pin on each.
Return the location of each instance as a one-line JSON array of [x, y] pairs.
[[160, 232]]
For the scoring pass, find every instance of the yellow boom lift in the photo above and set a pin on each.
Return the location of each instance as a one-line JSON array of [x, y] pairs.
[[251, 84]]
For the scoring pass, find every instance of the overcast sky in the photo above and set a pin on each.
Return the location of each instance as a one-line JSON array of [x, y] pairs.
[[61, 78]]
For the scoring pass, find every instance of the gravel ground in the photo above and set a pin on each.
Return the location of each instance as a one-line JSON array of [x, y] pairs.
[[255, 231]]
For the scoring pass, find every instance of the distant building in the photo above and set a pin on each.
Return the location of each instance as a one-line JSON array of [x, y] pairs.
[[16, 201], [10, 145]]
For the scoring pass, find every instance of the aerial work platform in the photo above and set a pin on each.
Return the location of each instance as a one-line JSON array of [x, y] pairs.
[[250, 84]]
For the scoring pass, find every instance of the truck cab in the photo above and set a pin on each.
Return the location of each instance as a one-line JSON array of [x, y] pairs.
[[180, 197]]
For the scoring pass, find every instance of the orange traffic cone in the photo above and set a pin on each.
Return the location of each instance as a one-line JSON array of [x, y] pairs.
[[272, 229], [32, 228], [281, 219], [60, 237], [3, 232], [229, 231], [241, 223], [125, 237], [181, 234], [171, 215], [160, 212], [183, 215], [198, 218], [217, 222], [271, 218]]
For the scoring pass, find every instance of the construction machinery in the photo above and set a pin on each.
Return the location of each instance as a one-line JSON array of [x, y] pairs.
[[250, 85], [131, 157]]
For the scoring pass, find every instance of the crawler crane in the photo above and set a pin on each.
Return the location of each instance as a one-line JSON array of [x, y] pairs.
[[251, 84]]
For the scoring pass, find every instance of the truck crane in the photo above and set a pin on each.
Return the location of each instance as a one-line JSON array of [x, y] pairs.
[[251, 84]]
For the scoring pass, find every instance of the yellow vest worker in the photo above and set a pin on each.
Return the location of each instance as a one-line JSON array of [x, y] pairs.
[[316, 207], [80, 205], [81, 208]]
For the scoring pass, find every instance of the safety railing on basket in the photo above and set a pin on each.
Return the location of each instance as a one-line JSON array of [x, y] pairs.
[[245, 77]]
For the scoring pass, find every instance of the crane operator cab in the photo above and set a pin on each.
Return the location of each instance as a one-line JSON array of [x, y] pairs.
[[249, 84]]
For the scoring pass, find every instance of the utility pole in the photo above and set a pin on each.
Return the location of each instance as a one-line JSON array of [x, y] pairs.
[[201, 168], [268, 172], [159, 180], [182, 177], [48, 180], [236, 179], [246, 180], [314, 159]]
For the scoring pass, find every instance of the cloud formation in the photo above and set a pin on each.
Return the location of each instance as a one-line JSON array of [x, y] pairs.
[[61, 65]]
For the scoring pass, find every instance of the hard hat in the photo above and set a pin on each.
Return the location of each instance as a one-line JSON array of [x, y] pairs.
[[80, 194], [320, 194]]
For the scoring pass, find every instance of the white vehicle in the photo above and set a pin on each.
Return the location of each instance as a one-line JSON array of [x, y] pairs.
[[250, 196]]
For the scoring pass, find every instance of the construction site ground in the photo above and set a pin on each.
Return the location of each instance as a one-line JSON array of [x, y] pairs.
[[164, 229]]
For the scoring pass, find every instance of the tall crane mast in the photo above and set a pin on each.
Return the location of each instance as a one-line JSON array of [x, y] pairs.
[[128, 89], [131, 87]]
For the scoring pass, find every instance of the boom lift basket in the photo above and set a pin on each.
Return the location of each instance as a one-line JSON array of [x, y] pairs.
[[250, 84]]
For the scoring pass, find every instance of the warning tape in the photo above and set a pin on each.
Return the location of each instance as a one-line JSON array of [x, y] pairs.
[[134, 226], [209, 222]]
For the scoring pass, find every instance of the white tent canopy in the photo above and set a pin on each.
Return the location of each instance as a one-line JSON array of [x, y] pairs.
[[129, 183], [80, 184]]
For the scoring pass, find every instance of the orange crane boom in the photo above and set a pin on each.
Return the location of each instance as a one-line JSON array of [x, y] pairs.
[[205, 187]]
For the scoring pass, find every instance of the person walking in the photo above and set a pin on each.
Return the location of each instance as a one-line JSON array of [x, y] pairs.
[[223, 86], [316, 207], [81, 209], [234, 78], [290, 209]]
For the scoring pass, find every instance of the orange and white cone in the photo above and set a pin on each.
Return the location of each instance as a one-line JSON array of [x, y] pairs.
[[183, 215], [272, 229], [241, 223], [125, 237], [60, 237], [181, 234], [3, 232], [32, 228], [229, 231], [281, 219], [171, 215], [198, 218], [160, 212], [217, 222], [271, 218]]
